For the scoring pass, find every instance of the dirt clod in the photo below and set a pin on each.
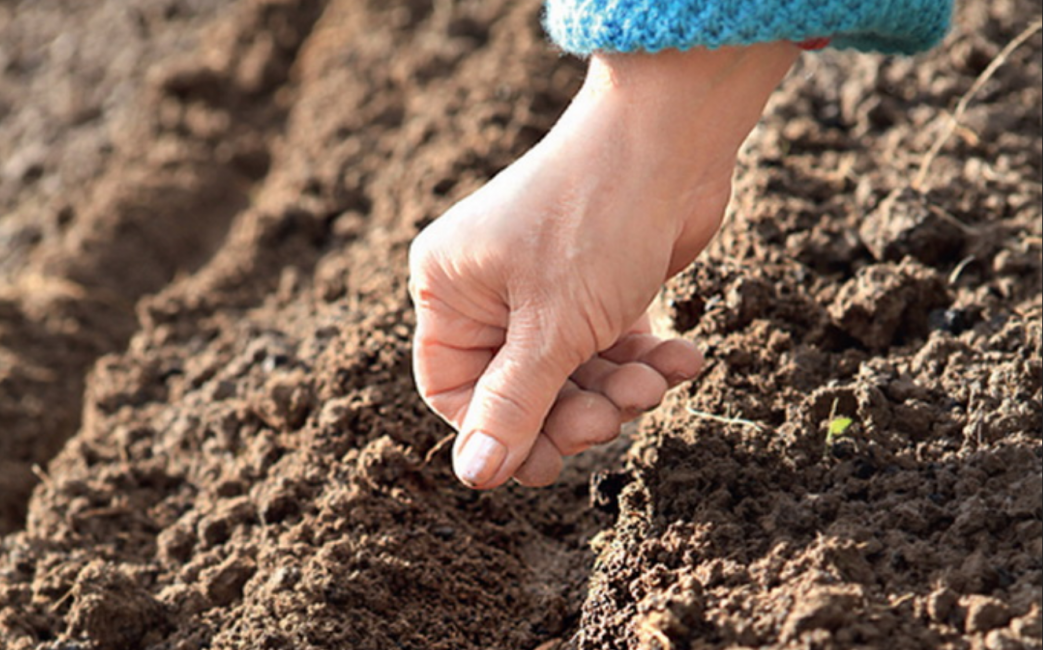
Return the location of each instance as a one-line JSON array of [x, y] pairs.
[[111, 611], [906, 224], [984, 613], [886, 304]]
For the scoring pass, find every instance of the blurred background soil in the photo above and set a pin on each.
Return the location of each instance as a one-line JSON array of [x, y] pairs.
[[208, 432]]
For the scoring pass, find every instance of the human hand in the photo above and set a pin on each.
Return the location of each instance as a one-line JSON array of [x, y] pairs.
[[531, 338]]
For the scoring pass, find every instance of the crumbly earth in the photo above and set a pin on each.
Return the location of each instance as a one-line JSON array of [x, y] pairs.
[[205, 209]]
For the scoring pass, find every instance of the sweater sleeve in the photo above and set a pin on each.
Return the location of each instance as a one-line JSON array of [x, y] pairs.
[[891, 26]]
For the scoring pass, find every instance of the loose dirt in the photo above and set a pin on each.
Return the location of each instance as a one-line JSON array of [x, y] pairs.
[[205, 210]]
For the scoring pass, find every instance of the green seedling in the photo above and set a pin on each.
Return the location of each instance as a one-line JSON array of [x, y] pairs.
[[837, 428]]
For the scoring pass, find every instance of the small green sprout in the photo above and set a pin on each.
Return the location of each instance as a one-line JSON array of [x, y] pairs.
[[837, 428]]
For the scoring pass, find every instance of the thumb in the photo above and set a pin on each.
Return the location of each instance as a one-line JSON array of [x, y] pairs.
[[509, 404]]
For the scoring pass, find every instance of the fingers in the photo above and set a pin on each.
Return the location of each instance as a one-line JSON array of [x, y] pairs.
[[636, 372], [581, 419], [543, 465], [446, 377], [450, 353], [631, 347], [516, 421], [643, 325], [676, 360], [507, 409], [634, 388], [508, 402]]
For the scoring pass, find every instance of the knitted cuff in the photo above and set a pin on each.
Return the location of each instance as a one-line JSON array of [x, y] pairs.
[[890, 26]]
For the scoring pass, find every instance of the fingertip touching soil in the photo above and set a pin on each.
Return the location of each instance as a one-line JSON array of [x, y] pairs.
[[205, 211]]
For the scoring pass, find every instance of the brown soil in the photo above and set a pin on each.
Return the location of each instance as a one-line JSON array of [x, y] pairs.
[[205, 210]]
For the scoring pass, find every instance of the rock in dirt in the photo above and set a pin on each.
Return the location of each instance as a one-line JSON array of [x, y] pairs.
[[822, 608], [673, 614], [940, 604], [984, 613], [906, 224], [224, 583], [887, 304], [111, 610]]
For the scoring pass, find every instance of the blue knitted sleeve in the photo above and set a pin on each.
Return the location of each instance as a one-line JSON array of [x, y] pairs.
[[890, 26]]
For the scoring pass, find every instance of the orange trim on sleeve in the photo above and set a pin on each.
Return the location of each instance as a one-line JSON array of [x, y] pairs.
[[814, 44]]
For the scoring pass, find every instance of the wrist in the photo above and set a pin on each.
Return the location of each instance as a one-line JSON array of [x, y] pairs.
[[683, 105]]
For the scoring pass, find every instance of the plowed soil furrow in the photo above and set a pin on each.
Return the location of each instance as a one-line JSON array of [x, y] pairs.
[[178, 164]]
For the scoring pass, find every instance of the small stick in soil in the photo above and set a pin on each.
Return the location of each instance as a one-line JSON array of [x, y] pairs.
[[958, 271], [439, 446], [961, 106], [726, 420], [71, 593], [945, 216], [41, 474]]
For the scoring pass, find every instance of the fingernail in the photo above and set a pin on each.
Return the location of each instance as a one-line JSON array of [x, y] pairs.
[[479, 459]]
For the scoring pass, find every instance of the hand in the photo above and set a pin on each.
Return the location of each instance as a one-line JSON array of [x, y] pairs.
[[531, 294]]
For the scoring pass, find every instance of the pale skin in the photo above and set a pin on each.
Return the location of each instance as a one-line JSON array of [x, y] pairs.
[[531, 294]]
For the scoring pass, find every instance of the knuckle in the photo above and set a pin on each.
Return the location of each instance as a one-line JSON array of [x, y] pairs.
[[445, 406], [506, 404]]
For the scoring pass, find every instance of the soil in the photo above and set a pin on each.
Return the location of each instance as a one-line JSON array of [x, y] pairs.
[[205, 210]]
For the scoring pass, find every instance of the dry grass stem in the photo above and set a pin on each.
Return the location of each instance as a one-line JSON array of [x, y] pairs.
[[958, 271], [439, 446], [961, 107], [945, 216], [41, 474], [726, 420]]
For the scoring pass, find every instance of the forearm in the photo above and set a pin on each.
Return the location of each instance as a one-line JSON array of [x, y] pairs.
[[666, 128], [682, 110]]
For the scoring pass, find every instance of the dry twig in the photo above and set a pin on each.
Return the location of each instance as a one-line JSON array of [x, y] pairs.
[[956, 272], [41, 474], [726, 420], [961, 107], [439, 446]]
